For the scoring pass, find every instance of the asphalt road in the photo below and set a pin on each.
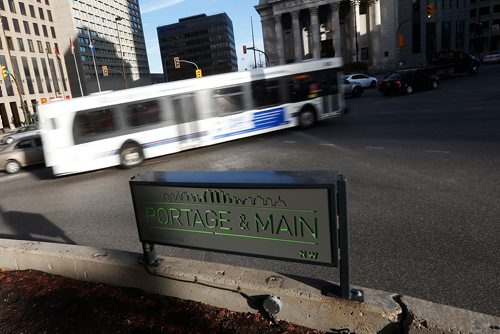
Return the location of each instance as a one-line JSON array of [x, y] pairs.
[[423, 192]]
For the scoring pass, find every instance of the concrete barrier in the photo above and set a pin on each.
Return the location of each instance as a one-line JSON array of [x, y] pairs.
[[242, 289]]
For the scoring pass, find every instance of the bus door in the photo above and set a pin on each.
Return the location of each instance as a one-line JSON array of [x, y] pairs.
[[185, 115]]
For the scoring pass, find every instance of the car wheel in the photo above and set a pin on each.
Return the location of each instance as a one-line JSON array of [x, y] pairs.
[[12, 166], [356, 92], [409, 89], [435, 84], [307, 118], [131, 155], [373, 84]]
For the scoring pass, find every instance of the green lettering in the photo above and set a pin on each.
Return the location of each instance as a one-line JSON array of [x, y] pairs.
[[165, 213], [198, 219], [223, 220], [150, 213], [211, 220], [258, 222], [187, 215], [175, 216], [313, 231], [286, 228]]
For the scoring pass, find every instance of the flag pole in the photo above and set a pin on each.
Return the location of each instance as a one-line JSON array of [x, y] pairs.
[[91, 46], [76, 65], [50, 70], [58, 67]]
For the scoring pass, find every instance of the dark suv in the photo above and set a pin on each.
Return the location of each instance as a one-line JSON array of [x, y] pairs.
[[408, 81]]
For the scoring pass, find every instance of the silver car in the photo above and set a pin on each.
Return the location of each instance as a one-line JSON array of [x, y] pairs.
[[22, 131], [21, 152], [353, 89]]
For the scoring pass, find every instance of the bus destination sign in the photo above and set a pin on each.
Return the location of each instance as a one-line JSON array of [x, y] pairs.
[[275, 216]]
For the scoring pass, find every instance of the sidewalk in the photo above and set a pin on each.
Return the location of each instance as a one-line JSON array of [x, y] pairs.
[[224, 286]]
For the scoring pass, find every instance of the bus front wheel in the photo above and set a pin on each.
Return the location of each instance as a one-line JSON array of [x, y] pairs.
[[307, 118], [131, 155]]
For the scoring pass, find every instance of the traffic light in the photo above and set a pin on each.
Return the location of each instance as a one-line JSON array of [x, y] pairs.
[[5, 72], [177, 62], [401, 40], [198, 73], [244, 49], [430, 10]]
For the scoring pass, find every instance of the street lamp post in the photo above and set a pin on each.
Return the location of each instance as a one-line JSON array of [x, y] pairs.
[[118, 18]]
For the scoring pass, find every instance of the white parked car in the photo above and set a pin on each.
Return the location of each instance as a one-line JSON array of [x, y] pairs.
[[491, 57], [365, 80]]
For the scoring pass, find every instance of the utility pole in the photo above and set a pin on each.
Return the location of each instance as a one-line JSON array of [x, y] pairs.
[[253, 44]]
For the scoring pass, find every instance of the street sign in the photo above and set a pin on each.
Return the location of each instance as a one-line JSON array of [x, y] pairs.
[[198, 73], [291, 216], [177, 62], [105, 71]]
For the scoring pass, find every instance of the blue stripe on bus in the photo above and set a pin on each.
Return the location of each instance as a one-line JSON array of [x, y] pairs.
[[262, 120], [167, 141], [175, 139]]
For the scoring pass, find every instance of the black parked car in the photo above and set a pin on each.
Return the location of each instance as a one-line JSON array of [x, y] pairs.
[[406, 82]]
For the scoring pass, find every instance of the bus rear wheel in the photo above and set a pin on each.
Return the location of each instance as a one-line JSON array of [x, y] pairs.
[[131, 155], [307, 118]]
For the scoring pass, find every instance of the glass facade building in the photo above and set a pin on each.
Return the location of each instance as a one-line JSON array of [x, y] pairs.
[[207, 41]]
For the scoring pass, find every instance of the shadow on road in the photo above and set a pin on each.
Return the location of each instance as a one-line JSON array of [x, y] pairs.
[[33, 227]]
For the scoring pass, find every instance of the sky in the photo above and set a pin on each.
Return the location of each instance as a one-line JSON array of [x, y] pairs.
[[157, 13]]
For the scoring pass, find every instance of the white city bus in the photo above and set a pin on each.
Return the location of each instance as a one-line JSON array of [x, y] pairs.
[[125, 127]]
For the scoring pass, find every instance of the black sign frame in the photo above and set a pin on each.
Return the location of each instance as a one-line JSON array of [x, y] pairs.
[[331, 183]]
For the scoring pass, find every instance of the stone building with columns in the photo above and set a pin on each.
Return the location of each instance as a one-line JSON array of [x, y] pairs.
[[361, 30]]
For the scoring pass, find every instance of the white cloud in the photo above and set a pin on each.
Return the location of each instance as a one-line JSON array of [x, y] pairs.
[[154, 5]]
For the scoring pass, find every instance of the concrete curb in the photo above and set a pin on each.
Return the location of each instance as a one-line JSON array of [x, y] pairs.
[[226, 286]]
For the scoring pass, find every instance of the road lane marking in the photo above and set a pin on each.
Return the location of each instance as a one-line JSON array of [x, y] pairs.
[[328, 144], [374, 147], [474, 108], [437, 151], [289, 141]]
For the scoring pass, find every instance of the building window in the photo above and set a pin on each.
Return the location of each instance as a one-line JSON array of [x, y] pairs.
[[53, 32], [40, 46], [45, 32], [22, 8], [40, 13], [364, 53], [20, 44], [26, 27], [47, 48], [35, 29], [484, 11], [32, 11], [15, 22], [31, 46], [49, 15], [5, 24], [446, 35], [12, 7], [10, 44]]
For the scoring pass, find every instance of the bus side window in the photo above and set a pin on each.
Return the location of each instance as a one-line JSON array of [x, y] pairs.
[[298, 87], [93, 123], [266, 93], [143, 113], [184, 107], [229, 100]]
